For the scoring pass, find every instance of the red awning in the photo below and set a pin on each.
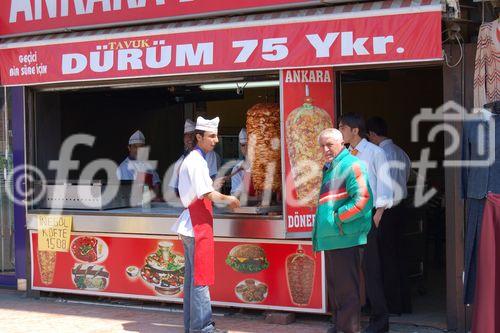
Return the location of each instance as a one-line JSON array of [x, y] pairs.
[[362, 34]]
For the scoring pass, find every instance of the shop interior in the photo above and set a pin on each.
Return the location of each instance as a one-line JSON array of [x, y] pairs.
[[397, 95], [113, 113]]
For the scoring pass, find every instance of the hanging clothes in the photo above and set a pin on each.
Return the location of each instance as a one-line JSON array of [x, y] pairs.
[[487, 65], [486, 316], [477, 182], [474, 217]]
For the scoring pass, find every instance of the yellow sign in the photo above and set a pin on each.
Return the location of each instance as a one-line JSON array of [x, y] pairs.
[[54, 232]]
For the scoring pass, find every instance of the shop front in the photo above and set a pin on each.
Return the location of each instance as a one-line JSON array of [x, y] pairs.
[[275, 74]]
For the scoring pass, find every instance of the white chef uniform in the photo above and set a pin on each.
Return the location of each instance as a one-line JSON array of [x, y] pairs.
[[128, 169], [194, 181], [212, 158], [237, 180]]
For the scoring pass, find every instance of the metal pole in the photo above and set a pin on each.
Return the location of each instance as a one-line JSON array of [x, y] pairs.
[[2, 184], [7, 168]]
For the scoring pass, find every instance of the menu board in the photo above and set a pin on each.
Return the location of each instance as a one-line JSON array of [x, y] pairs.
[[307, 98], [55, 231], [281, 275]]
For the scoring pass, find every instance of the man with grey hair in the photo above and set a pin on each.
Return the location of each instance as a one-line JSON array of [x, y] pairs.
[[343, 220]]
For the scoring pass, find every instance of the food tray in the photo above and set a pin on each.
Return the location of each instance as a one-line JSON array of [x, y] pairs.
[[257, 210], [90, 196]]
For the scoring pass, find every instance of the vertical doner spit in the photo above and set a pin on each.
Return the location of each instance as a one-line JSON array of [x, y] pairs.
[[263, 126], [303, 126]]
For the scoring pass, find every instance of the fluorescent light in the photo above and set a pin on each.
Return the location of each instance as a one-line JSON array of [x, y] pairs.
[[236, 85]]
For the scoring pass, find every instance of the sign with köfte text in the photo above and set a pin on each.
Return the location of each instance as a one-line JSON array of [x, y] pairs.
[[54, 232], [399, 38]]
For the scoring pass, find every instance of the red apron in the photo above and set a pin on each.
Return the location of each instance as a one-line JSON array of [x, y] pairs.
[[247, 179], [202, 219]]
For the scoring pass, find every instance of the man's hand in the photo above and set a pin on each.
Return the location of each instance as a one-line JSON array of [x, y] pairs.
[[217, 197], [233, 202], [378, 216], [218, 183]]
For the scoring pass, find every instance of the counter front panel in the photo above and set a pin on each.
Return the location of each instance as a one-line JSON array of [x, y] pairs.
[[263, 274]]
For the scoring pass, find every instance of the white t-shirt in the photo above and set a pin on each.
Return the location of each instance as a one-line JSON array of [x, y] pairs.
[[213, 162], [128, 170], [194, 183]]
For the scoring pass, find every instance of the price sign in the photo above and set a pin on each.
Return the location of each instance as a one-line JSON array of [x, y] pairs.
[[54, 232]]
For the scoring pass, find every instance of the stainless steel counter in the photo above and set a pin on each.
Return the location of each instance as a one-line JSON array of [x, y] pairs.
[[159, 219]]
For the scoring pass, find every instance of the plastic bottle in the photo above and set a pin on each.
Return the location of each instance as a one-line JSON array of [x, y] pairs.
[[146, 197]]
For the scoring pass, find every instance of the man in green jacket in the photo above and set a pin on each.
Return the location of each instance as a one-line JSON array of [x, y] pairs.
[[343, 220]]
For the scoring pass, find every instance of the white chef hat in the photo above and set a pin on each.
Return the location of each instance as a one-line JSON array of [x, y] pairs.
[[136, 138], [209, 125], [242, 137], [189, 126]]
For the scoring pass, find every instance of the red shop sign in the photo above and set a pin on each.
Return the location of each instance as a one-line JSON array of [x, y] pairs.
[[263, 274], [308, 108], [399, 38], [34, 16]]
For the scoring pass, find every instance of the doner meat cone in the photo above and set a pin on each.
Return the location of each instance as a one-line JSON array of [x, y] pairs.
[[300, 270], [47, 265], [303, 126], [263, 127]]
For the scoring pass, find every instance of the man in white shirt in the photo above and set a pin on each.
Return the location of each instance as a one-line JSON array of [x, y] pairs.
[[400, 162], [131, 167], [353, 130], [188, 140], [241, 169], [195, 227], [212, 158], [395, 279]]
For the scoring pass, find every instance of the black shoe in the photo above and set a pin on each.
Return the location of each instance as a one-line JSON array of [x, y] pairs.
[[332, 329], [376, 327], [371, 329]]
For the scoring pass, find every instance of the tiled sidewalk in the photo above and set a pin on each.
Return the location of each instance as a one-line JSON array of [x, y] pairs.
[[50, 315], [54, 315]]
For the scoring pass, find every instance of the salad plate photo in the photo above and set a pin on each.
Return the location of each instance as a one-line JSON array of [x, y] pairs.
[[89, 249]]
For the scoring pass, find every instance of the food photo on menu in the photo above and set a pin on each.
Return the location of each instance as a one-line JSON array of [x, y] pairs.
[[247, 258], [89, 249], [300, 271], [90, 277], [303, 126], [47, 266], [251, 291], [163, 270]]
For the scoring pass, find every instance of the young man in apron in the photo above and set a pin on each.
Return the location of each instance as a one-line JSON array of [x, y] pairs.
[[195, 227]]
